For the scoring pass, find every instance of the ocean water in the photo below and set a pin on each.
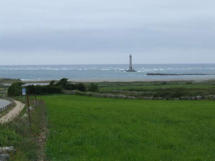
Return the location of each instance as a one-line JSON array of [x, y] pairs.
[[108, 72]]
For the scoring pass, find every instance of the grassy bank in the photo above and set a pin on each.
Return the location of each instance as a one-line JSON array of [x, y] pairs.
[[98, 129], [25, 140]]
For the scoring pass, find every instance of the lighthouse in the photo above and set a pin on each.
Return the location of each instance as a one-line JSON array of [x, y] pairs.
[[130, 65]]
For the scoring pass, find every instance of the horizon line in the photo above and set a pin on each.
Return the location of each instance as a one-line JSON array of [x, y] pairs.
[[109, 64]]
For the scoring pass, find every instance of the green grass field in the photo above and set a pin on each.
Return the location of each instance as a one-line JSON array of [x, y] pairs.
[[99, 129], [141, 86], [168, 89]]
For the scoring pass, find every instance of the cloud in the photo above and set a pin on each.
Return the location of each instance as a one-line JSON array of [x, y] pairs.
[[194, 35], [111, 27]]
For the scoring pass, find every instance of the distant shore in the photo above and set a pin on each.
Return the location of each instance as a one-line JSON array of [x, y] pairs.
[[98, 81], [175, 74], [7, 81]]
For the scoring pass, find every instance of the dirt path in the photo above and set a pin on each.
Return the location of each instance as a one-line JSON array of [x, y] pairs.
[[43, 133], [13, 113]]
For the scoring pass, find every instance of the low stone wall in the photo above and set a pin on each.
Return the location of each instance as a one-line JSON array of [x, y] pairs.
[[109, 95]]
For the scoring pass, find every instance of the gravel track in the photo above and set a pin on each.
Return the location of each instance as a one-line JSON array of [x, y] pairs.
[[13, 113]]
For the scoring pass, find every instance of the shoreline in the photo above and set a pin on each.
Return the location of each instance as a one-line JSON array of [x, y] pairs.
[[129, 81], [169, 79]]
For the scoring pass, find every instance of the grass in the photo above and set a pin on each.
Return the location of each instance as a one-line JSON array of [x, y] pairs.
[[168, 89], [18, 134], [139, 86], [98, 129]]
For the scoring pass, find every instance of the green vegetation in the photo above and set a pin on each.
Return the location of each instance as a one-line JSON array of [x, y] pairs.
[[166, 90], [64, 84], [3, 91], [139, 86], [19, 135], [57, 87], [170, 89], [15, 89], [99, 129], [4, 84], [41, 90], [93, 87]]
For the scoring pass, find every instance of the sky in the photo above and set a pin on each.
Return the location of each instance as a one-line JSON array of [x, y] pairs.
[[106, 31]]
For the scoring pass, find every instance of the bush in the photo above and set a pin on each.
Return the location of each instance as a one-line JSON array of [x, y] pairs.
[[93, 87], [71, 87], [31, 89], [53, 88], [81, 87], [15, 89], [63, 83], [52, 83], [40, 90]]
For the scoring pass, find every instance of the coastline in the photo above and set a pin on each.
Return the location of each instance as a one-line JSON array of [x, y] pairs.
[[110, 73], [7, 82], [116, 80]]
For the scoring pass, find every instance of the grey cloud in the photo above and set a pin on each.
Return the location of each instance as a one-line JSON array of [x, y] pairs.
[[108, 27], [197, 36]]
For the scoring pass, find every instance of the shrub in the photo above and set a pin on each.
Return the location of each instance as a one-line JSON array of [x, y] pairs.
[[93, 87], [81, 87], [15, 89], [71, 87], [52, 83], [63, 82], [40, 90], [31, 89]]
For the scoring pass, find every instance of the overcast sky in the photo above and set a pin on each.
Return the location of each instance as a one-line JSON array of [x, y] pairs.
[[106, 31]]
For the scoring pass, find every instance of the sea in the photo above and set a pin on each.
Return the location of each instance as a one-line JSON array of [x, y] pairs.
[[109, 72]]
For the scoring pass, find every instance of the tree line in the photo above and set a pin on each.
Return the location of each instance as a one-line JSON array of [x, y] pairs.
[[54, 87]]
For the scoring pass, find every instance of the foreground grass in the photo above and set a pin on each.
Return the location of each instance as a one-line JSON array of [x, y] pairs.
[[25, 140], [98, 129]]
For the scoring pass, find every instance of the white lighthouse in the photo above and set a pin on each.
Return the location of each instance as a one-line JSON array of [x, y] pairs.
[[131, 69]]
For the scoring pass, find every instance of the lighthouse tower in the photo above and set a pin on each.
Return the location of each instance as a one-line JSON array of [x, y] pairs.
[[130, 65]]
